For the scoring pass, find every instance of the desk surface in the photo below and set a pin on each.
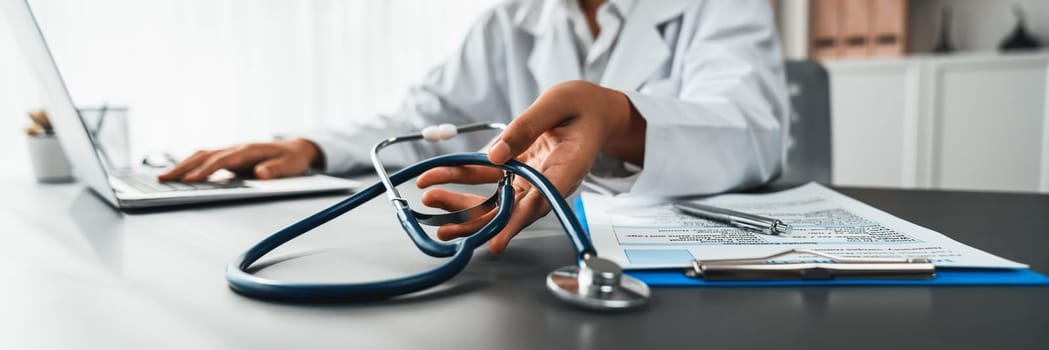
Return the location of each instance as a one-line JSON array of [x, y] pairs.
[[76, 274]]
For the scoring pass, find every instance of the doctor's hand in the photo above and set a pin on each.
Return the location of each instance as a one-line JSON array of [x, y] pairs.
[[560, 135], [268, 160]]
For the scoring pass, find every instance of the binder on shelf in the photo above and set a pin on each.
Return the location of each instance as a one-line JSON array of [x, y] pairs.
[[853, 28], [888, 28], [857, 28], [824, 27]]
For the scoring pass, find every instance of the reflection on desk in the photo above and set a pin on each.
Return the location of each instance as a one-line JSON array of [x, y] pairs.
[[77, 274]]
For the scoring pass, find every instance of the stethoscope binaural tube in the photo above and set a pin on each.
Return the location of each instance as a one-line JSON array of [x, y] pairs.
[[461, 251]]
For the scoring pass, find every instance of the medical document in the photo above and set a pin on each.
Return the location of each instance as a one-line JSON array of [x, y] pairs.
[[647, 233]]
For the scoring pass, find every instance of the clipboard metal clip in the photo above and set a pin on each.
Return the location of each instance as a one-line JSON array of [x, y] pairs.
[[837, 268]]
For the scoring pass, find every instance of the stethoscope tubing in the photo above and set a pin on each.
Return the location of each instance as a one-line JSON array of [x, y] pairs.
[[245, 283]]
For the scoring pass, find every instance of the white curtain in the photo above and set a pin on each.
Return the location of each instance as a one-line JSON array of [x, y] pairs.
[[210, 73]]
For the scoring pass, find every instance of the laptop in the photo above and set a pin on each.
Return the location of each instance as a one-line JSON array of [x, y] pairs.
[[128, 189]]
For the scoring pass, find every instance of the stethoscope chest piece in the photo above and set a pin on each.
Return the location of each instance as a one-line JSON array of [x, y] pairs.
[[597, 284]]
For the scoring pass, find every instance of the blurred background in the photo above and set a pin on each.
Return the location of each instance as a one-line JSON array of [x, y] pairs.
[[212, 73], [922, 93], [944, 94]]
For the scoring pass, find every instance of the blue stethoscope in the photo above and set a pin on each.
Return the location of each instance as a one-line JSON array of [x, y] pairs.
[[594, 283]]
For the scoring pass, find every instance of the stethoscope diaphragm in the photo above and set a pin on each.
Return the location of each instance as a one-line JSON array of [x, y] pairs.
[[597, 284]]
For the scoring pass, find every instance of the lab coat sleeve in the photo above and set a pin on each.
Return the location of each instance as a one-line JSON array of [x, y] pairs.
[[465, 89], [726, 129]]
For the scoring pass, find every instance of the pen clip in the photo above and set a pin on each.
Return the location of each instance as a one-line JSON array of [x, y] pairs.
[[838, 268]]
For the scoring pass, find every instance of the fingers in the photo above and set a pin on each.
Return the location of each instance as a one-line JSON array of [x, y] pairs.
[[529, 206], [279, 167], [218, 160], [185, 166], [232, 159], [468, 174], [266, 160], [453, 231], [451, 201], [543, 115], [527, 210]]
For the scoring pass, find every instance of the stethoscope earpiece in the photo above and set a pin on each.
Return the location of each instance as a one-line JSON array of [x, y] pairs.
[[598, 284]]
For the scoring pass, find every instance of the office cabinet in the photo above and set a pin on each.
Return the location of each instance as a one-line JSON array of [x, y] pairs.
[[971, 122]]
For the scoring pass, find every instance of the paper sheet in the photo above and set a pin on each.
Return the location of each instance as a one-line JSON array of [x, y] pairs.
[[643, 233]]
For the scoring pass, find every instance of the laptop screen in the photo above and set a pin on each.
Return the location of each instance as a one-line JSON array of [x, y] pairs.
[[69, 127]]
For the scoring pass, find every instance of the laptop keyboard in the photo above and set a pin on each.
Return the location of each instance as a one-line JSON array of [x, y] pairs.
[[149, 184]]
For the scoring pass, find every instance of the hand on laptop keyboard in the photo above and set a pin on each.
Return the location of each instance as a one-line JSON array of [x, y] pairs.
[[264, 160]]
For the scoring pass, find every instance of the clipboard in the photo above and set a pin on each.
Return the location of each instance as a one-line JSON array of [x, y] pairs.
[[936, 276]]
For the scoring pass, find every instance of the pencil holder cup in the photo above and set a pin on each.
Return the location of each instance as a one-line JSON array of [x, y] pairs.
[[49, 161]]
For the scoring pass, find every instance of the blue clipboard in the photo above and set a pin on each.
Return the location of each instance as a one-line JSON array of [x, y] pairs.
[[944, 276]]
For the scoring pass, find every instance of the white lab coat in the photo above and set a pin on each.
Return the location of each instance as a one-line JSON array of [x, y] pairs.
[[707, 75]]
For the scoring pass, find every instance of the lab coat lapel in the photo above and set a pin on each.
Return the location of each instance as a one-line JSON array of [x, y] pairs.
[[640, 48], [553, 58]]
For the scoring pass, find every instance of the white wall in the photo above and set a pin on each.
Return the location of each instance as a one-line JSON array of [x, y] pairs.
[[979, 25], [210, 73]]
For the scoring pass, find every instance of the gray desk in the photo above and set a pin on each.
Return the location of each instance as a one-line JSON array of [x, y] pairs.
[[75, 274]]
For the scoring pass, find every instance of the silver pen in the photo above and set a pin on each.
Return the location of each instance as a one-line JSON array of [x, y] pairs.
[[756, 223]]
